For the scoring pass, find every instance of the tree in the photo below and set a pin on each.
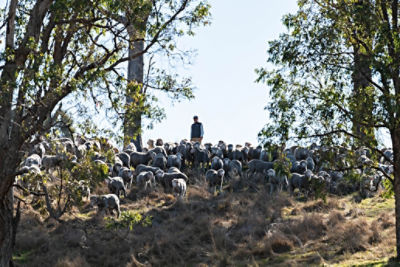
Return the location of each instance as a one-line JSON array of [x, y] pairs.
[[195, 13], [55, 49], [316, 74]]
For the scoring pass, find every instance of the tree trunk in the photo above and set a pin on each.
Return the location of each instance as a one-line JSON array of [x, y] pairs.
[[363, 104], [132, 129], [396, 151], [6, 228]]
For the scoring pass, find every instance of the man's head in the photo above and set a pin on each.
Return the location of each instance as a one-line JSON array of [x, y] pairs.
[[195, 118]]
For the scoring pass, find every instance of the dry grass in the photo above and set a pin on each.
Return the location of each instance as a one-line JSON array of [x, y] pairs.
[[243, 228]]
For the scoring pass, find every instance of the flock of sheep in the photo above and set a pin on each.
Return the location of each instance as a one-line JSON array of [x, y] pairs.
[[167, 165]]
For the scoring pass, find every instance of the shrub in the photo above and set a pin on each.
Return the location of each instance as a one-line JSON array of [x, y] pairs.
[[128, 219]]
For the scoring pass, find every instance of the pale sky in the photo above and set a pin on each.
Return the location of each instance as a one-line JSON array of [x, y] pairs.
[[228, 101]]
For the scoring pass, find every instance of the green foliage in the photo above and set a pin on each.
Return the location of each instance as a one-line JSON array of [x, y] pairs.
[[128, 219], [311, 86], [282, 164], [388, 192]]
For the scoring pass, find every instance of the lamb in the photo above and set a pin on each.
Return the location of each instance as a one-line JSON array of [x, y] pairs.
[[214, 179], [116, 185], [108, 202], [179, 187], [145, 180], [175, 161], [141, 158]]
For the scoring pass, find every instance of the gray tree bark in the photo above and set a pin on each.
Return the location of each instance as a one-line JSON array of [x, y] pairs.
[[133, 119], [362, 75]]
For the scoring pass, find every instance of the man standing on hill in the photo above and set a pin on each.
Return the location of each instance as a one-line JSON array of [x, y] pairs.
[[197, 130]]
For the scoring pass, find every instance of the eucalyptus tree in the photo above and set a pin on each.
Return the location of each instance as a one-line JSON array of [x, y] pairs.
[[51, 50], [312, 84], [141, 31]]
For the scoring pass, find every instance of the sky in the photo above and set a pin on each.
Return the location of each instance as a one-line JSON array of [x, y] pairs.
[[227, 100]]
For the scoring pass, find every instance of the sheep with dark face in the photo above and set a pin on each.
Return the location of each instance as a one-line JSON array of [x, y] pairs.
[[159, 142], [175, 161], [387, 156], [301, 153], [33, 159], [169, 148], [223, 147], [300, 181], [217, 163], [226, 162], [116, 185], [310, 163], [238, 154], [235, 169], [277, 182], [125, 158], [245, 152], [117, 166], [145, 181], [159, 149], [141, 158], [127, 175], [165, 179], [254, 153], [214, 179], [179, 187], [159, 161], [229, 151], [217, 152], [299, 167], [108, 202], [201, 156], [188, 154]]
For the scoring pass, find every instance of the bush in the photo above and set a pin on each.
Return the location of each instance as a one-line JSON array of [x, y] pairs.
[[128, 219]]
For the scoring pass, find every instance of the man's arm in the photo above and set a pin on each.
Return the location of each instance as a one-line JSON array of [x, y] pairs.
[[201, 131]]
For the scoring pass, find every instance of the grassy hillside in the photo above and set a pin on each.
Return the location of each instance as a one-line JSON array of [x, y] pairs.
[[229, 229]]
